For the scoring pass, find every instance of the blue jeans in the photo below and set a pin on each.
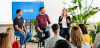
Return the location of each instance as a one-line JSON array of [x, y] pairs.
[[65, 32], [24, 38]]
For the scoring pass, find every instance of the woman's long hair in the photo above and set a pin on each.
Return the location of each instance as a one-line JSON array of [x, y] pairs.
[[10, 31], [76, 36], [5, 40], [62, 15]]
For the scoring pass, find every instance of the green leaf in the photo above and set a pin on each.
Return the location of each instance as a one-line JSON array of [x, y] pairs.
[[86, 16], [64, 3], [72, 21], [36, 36], [79, 4], [87, 24], [74, 1], [67, 4], [95, 8], [74, 18], [92, 12], [79, 17], [99, 9]]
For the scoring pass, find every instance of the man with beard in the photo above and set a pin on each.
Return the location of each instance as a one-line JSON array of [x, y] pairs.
[[41, 24]]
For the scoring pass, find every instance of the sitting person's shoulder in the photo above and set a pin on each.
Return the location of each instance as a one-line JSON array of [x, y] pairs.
[[86, 45]]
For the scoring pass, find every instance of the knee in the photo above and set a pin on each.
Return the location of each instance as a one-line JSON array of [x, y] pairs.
[[31, 35], [24, 37], [48, 36]]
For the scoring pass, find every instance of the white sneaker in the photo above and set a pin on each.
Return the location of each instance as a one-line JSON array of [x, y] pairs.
[[22, 46]]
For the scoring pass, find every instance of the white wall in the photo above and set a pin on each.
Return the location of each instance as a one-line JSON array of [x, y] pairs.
[[5, 11], [53, 9]]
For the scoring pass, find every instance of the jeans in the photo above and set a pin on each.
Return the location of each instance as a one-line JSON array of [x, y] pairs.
[[24, 38], [47, 34], [64, 32]]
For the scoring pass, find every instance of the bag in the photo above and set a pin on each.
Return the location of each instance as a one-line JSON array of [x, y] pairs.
[[15, 44]]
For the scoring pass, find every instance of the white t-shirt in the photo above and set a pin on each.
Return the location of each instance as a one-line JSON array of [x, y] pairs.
[[64, 24], [87, 45]]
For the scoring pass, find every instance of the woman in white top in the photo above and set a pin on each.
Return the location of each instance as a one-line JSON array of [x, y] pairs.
[[97, 41], [64, 22], [77, 38]]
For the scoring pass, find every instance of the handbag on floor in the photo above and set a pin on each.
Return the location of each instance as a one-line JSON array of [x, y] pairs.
[[15, 44]]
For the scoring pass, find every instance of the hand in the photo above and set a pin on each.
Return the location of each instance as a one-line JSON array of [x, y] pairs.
[[14, 38], [68, 21], [41, 31], [49, 26], [25, 33], [60, 22]]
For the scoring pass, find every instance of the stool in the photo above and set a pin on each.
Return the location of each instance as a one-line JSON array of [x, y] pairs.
[[39, 43], [20, 42]]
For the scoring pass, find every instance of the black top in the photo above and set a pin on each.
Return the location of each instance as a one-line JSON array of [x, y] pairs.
[[18, 22], [68, 24]]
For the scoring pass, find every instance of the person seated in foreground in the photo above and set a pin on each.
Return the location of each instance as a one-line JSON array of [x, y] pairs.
[[51, 41], [86, 38], [5, 40], [14, 43], [77, 38], [97, 41], [62, 44]]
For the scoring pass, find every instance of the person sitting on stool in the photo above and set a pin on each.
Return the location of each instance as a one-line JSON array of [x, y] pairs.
[[18, 23], [41, 24]]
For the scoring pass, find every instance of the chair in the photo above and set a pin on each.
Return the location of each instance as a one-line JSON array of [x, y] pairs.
[[20, 42], [39, 43]]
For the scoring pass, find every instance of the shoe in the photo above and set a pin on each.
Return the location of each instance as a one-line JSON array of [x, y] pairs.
[[22, 46]]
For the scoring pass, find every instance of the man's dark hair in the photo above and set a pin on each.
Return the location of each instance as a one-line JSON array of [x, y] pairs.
[[62, 44], [41, 8], [18, 10], [55, 27], [83, 28]]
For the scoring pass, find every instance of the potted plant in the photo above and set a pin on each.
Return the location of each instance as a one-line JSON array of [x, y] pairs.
[[34, 24], [79, 13], [93, 33]]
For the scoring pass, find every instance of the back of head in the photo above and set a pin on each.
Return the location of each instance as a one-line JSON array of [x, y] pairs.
[[5, 40], [41, 8], [10, 31], [55, 28], [18, 10], [83, 28], [76, 36], [62, 44]]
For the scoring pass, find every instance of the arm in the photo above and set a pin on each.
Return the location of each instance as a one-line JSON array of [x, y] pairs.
[[37, 24], [24, 27], [69, 21], [49, 23], [17, 28], [48, 20], [59, 21]]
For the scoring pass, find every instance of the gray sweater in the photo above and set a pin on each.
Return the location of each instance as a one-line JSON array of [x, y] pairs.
[[97, 41], [51, 41]]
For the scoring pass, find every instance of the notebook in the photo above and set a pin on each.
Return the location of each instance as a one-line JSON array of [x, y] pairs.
[[47, 29]]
